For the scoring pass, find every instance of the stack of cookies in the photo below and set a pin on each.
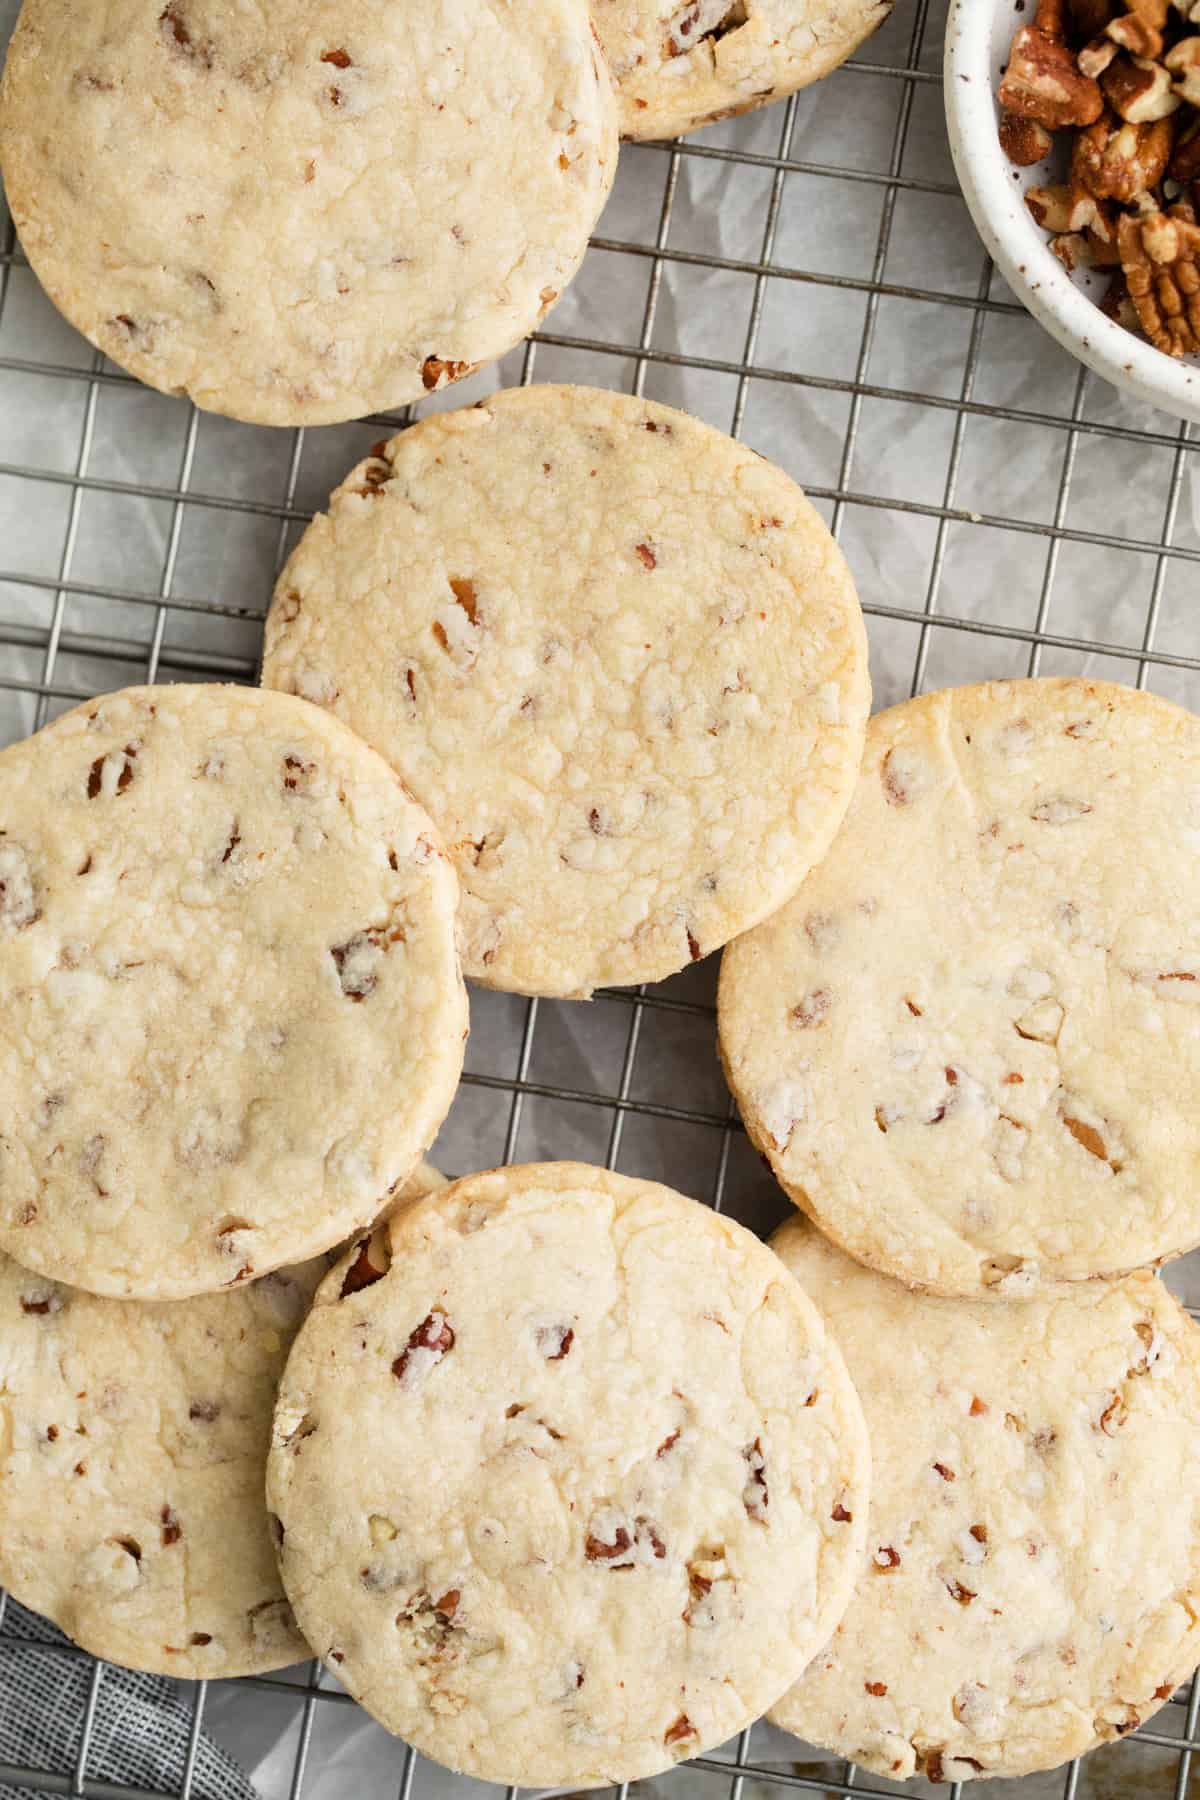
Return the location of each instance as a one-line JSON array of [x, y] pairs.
[[565, 1477]]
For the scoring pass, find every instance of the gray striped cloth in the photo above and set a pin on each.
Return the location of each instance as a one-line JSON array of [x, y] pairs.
[[139, 1736]]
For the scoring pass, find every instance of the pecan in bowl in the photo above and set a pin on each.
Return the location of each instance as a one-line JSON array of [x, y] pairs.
[[1116, 83], [1075, 131]]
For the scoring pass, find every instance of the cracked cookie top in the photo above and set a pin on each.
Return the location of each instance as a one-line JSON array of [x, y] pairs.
[[615, 1487], [231, 1015], [616, 655], [133, 1448], [681, 64], [1032, 1578], [300, 212], [970, 1045]]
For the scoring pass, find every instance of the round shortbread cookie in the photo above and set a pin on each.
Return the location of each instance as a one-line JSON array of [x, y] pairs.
[[305, 210], [1032, 1578], [616, 655], [970, 1045], [680, 64], [231, 1015], [577, 1487], [133, 1448]]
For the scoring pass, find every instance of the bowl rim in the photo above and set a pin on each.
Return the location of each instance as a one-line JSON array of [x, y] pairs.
[[1019, 249]]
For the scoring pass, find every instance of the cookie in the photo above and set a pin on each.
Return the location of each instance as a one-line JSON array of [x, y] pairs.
[[1032, 1579], [613, 1495], [616, 655], [679, 66], [296, 213], [970, 1045], [231, 1015], [133, 1443]]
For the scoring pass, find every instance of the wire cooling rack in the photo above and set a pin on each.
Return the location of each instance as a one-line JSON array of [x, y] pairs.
[[806, 276]]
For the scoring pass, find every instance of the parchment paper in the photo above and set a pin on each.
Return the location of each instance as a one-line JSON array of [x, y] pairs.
[[816, 325]]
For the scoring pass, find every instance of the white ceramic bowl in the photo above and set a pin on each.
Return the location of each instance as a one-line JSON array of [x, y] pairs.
[[978, 36]]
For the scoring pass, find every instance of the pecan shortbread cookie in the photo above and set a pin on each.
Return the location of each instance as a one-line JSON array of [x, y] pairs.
[[616, 1488], [616, 655], [1032, 1578], [133, 1446], [231, 1014], [970, 1045], [299, 212], [680, 64]]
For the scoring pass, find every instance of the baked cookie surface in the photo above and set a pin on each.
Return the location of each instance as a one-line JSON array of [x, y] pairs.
[[617, 1482], [617, 655], [133, 1448], [679, 66], [297, 213], [1032, 1576], [231, 1016], [970, 1045]]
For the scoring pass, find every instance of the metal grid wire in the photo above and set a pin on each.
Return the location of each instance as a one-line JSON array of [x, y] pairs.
[[1004, 512]]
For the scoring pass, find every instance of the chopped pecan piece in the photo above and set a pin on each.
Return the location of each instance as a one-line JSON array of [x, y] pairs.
[[1140, 90], [50, 1302], [1024, 141], [1095, 57], [433, 1338], [1043, 81], [597, 1550], [1183, 61], [112, 774], [1116, 160], [812, 1010], [754, 1494], [680, 1732], [622, 1545], [554, 1342], [1140, 30], [1052, 208], [1160, 255], [438, 372], [1080, 250], [1114, 1415], [362, 1271]]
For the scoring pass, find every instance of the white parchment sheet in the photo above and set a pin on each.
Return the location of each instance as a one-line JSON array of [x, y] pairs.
[[818, 284]]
